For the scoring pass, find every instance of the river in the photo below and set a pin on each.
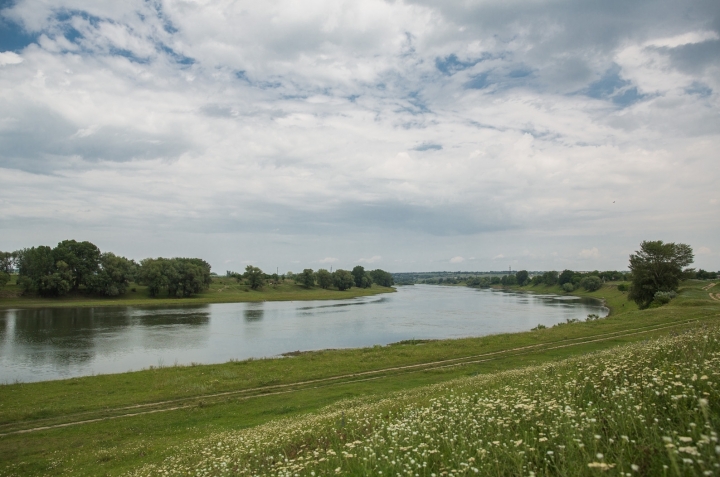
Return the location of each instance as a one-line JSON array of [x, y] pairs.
[[56, 343]]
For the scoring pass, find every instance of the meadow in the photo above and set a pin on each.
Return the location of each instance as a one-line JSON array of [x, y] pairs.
[[392, 404]]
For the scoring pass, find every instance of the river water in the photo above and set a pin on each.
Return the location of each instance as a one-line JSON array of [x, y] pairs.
[[57, 343]]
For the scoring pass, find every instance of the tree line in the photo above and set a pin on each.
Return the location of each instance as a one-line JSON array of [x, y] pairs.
[[255, 278], [656, 271], [74, 266], [568, 280]]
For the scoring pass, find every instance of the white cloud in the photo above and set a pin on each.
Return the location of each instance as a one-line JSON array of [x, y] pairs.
[[328, 260], [703, 251], [373, 259], [457, 259], [589, 253], [10, 58], [332, 127]]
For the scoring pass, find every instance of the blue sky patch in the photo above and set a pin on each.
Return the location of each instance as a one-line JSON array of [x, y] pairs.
[[700, 89], [179, 58], [478, 82], [614, 88], [13, 37], [451, 64]]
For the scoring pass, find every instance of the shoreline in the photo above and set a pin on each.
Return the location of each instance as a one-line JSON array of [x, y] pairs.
[[207, 298]]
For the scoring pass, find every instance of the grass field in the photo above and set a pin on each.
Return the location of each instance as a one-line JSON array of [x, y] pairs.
[[165, 417], [222, 290]]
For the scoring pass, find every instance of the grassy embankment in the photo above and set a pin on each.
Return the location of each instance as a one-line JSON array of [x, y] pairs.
[[222, 290], [264, 390]]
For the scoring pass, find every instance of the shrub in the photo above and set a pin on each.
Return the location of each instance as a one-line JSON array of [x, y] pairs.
[[591, 283], [663, 298], [568, 287]]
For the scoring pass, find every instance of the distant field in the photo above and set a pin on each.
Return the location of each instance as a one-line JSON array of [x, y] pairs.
[[167, 418], [222, 290]]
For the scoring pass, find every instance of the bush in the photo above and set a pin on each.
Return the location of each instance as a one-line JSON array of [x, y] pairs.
[[622, 287], [568, 287], [591, 283], [663, 298]]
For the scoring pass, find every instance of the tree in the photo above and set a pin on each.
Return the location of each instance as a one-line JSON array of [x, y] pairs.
[[358, 273], [522, 277], [324, 278], [83, 258], [7, 262], [307, 278], [343, 279], [565, 277], [254, 276], [40, 272], [113, 277], [591, 283], [382, 278], [657, 267], [190, 276], [154, 274], [550, 278]]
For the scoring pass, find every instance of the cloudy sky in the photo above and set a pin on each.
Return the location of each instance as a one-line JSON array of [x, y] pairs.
[[404, 135]]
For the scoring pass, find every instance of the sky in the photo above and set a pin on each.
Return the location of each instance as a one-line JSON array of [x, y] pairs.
[[403, 135]]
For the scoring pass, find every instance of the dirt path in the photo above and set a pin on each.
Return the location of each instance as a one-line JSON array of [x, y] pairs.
[[243, 394]]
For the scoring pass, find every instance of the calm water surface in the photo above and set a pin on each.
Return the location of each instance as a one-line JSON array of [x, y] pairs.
[[55, 343]]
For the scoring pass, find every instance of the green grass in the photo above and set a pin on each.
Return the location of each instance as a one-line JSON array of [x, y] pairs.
[[119, 445], [651, 408], [222, 290]]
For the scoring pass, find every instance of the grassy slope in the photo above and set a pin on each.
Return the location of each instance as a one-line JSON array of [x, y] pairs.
[[117, 445], [222, 290]]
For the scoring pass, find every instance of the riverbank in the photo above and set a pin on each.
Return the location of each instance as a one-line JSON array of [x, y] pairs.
[[222, 290], [615, 300], [112, 424]]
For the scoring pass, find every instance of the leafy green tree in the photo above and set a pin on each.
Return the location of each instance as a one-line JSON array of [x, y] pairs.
[[40, 272], [508, 280], [343, 279], [358, 273], [113, 277], [495, 280], [155, 274], [83, 258], [181, 277], [366, 281], [190, 276], [657, 267], [254, 276], [550, 278], [7, 262], [307, 278], [324, 278], [4, 278], [479, 282], [565, 277], [522, 277], [382, 278], [591, 283], [568, 287]]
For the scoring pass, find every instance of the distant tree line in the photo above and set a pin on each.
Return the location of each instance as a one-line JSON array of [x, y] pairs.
[[568, 280], [341, 279], [74, 266]]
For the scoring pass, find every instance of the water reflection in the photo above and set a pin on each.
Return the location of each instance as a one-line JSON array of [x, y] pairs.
[[254, 312], [56, 343]]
